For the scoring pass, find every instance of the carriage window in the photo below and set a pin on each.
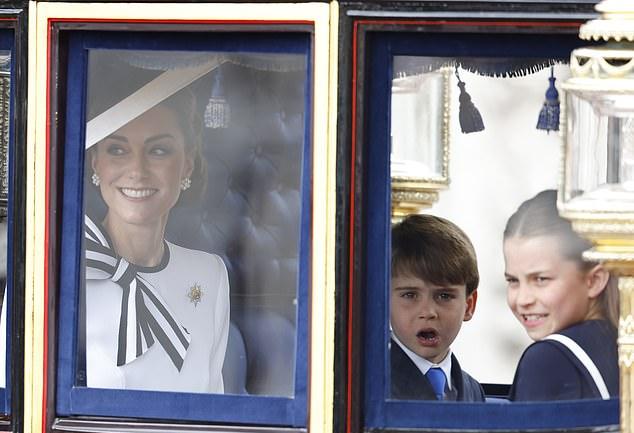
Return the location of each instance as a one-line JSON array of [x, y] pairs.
[[458, 145], [194, 228], [515, 160]]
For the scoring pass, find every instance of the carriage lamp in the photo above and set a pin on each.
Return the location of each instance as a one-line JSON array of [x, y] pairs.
[[419, 141], [597, 189]]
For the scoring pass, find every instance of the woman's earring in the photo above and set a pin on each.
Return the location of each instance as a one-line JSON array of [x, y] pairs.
[[95, 179], [185, 184]]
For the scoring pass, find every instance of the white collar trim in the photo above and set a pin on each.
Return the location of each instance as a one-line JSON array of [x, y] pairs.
[[424, 365]]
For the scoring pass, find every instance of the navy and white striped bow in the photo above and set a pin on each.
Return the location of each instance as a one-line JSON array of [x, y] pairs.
[[144, 316]]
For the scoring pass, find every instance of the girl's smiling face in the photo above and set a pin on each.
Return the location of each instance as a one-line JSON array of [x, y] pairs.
[[141, 166], [546, 291]]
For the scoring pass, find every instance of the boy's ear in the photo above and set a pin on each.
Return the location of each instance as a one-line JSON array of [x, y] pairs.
[[596, 280], [472, 299]]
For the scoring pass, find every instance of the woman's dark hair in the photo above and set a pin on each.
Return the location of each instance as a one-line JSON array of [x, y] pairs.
[[184, 105], [538, 216]]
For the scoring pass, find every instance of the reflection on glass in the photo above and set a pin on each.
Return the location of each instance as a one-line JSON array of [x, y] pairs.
[[192, 174], [419, 135], [491, 172], [624, 131], [5, 95], [600, 162], [418, 124], [591, 158]]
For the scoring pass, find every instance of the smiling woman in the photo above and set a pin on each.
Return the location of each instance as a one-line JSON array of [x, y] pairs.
[[157, 314], [139, 170]]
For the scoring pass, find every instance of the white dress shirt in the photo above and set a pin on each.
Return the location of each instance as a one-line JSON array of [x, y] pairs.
[[424, 365]]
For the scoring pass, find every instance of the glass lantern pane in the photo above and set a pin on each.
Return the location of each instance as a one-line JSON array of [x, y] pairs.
[[600, 158], [417, 122]]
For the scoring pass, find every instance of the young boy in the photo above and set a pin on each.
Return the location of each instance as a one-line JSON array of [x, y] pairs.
[[433, 290]]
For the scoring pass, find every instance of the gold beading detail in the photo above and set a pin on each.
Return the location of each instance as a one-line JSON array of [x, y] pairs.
[[626, 356], [607, 227], [626, 326], [415, 196], [446, 73], [410, 202]]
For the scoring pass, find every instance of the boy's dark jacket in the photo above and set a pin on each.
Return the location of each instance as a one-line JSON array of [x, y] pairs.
[[409, 383]]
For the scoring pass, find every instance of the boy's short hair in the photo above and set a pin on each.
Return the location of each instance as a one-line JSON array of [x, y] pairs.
[[435, 250]]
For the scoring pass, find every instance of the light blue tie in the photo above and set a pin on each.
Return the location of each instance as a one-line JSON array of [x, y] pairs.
[[438, 380]]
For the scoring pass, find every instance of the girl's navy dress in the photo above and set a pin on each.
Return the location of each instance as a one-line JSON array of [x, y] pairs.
[[549, 371]]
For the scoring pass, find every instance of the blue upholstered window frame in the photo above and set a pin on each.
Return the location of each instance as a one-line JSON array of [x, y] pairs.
[[7, 41], [380, 411], [73, 400]]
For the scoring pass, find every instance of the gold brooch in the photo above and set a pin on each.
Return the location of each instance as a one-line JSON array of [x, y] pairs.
[[195, 294]]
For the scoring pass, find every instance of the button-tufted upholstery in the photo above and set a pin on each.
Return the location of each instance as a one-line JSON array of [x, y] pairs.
[[250, 215]]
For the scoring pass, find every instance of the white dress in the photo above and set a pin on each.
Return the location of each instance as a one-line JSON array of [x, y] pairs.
[[207, 322]]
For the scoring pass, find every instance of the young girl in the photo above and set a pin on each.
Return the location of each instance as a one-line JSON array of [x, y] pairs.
[[567, 305]]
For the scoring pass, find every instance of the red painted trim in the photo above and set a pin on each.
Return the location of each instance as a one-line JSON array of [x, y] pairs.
[[353, 149], [473, 23], [175, 21], [46, 231], [353, 152]]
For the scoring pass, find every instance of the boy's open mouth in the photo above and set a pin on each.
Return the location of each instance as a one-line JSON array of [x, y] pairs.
[[428, 337]]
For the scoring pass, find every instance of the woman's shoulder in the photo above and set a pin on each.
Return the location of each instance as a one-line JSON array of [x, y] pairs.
[[179, 253]]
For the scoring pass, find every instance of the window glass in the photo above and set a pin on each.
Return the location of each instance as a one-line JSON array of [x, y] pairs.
[[195, 192], [515, 148], [474, 175], [164, 160], [515, 160]]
